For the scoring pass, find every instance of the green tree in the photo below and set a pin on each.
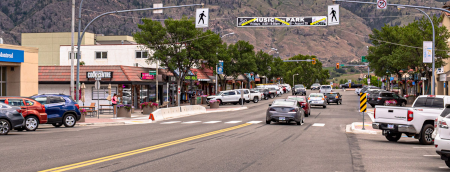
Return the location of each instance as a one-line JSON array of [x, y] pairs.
[[308, 73], [178, 45], [277, 69], [263, 61]]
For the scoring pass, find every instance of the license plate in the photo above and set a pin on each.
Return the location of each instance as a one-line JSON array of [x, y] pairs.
[[282, 118], [315, 102], [390, 126]]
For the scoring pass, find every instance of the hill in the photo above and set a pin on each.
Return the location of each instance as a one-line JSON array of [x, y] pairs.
[[330, 44]]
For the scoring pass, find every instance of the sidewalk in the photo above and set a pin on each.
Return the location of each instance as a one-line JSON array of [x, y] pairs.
[[138, 118]]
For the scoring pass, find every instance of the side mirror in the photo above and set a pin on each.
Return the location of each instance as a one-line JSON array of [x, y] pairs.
[[270, 104]]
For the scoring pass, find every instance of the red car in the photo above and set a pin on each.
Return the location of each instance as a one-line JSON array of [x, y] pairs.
[[31, 110], [302, 100], [284, 89]]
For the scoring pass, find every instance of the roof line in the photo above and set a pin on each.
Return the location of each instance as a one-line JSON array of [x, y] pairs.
[[121, 67]]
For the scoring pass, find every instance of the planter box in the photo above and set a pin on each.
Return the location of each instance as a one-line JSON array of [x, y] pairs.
[[132, 110], [193, 101], [83, 118], [148, 110], [122, 112], [214, 105], [203, 100]]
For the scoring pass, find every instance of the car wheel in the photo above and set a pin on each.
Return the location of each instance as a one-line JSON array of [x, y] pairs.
[[425, 135], [328, 103], [69, 120], [255, 100], [31, 123], [234, 103], [5, 126], [299, 123], [57, 125], [393, 137], [266, 98], [324, 107], [271, 96], [267, 122]]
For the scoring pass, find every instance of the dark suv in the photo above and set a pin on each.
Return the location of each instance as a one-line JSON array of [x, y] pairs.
[[61, 109], [380, 97]]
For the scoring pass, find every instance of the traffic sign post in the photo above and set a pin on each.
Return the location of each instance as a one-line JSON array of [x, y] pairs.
[[363, 105], [333, 14], [382, 4], [202, 18]]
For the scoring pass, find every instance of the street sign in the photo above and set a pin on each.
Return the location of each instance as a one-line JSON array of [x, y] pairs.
[[364, 59], [281, 21], [201, 18], [160, 5], [423, 78], [333, 14], [368, 80], [382, 4], [342, 65], [97, 84], [220, 67], [414, 83], [331, 83], [392, 78], [179, 90], [152, 72], [427, 52], [363, 102], [349, 81]]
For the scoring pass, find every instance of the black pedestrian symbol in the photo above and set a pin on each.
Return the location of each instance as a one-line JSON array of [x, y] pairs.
[[201, 17], [333, 12]]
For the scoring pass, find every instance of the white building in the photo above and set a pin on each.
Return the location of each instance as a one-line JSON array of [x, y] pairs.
[[126, 54]]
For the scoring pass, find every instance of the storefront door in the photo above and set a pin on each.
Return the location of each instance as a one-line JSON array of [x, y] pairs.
[[3, 81]]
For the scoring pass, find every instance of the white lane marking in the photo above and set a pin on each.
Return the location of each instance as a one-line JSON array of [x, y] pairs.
[[423, 147], [118, 118], [318, 125], [191, 122], [431, 155], [254, 122], [443, 167], [170, 122], [211, 122], [232, 122]]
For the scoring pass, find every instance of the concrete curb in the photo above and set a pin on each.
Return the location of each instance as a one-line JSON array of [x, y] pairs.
[[100, 123], [350, 128], [228, 110]]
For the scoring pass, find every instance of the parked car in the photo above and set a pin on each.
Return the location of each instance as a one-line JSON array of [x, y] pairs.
[[246, 94], [315, 86], [265, 92], [302, 102], [284, 89], [285, 110], [255, 96], [379, 98], [442, 139], [230, 96], [288, 87], [317, 99], [333, 97], [31, 110], [417, 121], [325, 89], [299, 89], [368, 88], [10, 119], [352, 85], [61, 109], [273, 92]]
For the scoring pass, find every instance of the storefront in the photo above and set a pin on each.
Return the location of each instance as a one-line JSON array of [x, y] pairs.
[[133, 85], [18, 70]]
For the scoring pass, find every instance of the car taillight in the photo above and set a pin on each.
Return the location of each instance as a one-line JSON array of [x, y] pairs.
[[435, 122], [436, 146], [272, 109], [443, 124], [78, 106], [43, 108], [309, 98], [410, 116], [293, 110], [323, 99], [325, 96], [379, 98], [374, 112]]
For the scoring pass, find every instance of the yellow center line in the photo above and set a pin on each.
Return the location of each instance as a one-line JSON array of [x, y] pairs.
[[141, 150], [282, 21]]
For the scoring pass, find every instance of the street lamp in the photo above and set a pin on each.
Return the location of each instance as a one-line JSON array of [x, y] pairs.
[[293, 83]]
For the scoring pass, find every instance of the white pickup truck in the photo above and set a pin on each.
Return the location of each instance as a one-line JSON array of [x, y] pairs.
[[416, 121]]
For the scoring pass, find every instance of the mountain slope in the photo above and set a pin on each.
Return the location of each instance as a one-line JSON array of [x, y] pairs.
[[341, 43]]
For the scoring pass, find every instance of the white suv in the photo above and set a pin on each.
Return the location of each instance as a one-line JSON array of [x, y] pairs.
[[246, 94], [325, 89], [231, 96], [442, 139]]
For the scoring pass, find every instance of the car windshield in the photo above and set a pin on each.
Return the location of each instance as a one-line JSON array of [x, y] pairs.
[[300, 99], [283, 103], [316, 95], [332, 95], [315, 85], [299, 86], [326, 87]]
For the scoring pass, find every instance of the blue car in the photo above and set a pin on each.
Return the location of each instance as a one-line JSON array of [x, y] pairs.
[[61, 109]]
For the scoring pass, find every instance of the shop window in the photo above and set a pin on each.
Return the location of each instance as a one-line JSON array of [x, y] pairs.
[[70, 55], [102, 93], [101, 55], [141, 54]]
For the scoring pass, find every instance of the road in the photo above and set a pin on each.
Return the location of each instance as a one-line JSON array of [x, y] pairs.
[[220, 142]]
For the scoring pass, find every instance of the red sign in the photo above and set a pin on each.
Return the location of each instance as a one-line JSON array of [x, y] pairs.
[[147, 76], [179, 90]]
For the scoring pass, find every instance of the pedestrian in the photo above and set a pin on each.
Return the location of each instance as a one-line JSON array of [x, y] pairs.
[[114, 103]]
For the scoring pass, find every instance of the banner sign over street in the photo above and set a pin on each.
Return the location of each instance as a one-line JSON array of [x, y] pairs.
[[427, 52], [220, 68], [281, 21]]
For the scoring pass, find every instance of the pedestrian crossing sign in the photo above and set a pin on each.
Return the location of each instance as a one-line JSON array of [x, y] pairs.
[[333, 14], [201, 18]]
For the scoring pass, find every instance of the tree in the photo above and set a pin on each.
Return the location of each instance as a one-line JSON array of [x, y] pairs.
[[277, 69], [263, 61], [178, 45], [308, 73]]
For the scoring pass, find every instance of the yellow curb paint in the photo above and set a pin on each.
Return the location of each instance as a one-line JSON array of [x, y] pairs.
[[142, 150]]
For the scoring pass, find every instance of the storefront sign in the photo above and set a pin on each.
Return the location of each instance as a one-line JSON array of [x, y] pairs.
[[9, 55], [190, 78], [152, 72], [91, 75], [147, 76]]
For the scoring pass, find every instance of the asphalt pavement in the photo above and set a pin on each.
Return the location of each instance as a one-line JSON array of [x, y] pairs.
[[226, 141]]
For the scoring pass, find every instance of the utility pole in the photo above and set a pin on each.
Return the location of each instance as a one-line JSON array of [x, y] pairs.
[[72, 55]]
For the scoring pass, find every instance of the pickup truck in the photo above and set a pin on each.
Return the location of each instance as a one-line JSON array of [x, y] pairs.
[[416, 121], [353, 85], [255, 96]]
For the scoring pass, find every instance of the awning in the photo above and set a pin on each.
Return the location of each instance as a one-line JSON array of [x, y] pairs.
[[212, 79]]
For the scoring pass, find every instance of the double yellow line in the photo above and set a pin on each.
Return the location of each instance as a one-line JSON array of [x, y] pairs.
[[142, 150]]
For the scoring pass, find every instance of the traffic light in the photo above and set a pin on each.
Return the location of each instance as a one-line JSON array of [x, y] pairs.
[[313, 61], [337, 65]]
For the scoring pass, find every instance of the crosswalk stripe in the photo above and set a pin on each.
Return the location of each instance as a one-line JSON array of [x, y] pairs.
[[318, 125], [211, 122], [191, 122], [170, 122], [232, 122], [254, 122]]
